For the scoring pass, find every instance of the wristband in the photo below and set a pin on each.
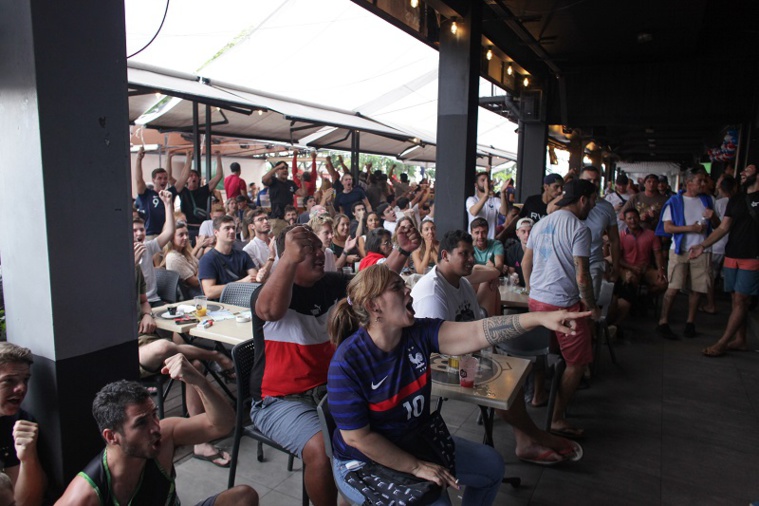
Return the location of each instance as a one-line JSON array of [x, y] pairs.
[[404, 252]]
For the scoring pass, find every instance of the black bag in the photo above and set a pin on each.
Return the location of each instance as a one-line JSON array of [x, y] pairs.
[[383, 486]]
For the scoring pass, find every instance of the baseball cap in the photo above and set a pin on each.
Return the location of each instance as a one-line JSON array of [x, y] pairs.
[[575, 189], [525, 222], [553, 178]]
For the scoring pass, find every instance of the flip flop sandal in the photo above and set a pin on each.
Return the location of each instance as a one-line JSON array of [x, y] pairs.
[[216, 456]]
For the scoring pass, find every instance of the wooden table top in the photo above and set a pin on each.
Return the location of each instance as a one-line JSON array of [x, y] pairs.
[[497, 384]]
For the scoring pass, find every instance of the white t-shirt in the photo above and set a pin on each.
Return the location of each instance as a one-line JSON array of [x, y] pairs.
[[555, 241], [390, 226], [718, 248], [613, 199], [693, 209], [258, 251], [489, 211], [601, 217], [148, 270], [206, 228], [329, 261], [434, 297]]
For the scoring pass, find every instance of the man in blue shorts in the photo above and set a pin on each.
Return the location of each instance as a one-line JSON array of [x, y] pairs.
[[741, 267], [293, 351], [137, 464]]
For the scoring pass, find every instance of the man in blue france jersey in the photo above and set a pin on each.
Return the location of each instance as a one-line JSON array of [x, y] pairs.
[[445, 293]]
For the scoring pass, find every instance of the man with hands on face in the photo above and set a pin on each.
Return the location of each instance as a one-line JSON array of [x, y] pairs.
[[485, 204], [145, 250], [18, 430], [293, 350], [137, 464]]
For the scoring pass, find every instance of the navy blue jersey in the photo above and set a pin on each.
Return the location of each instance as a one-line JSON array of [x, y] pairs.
[[388, 391]]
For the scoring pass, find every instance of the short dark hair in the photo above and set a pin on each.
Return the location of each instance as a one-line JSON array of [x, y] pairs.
[[631, 210], [234, 167], [404, 177], [197, 173], [451, 241], [109, 406], [478, 223], [14, 354], [157, 171], [374, 239], [218, 222], [139, 221], [403, 202], [590, 168], [381, 209], [242, 198], [356, 204], [283, 164], [728, 184], [289, 209]]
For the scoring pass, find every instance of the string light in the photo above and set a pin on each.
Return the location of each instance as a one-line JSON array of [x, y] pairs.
[[489, 54], [260, 112], [454, 27], [526, 82], [510, 71], [414, 4]]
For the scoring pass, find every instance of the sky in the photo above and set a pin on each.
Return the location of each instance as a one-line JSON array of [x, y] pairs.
[[330, 52]]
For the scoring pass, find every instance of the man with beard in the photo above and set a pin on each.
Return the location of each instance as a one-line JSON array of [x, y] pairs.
[[515, 252], [257, 224], [486, 251], [137, 464], [649, 203], [557, 273], [484, 203], [445, 293], [741, 266], [536, 206], [194, 197], [293, 351]]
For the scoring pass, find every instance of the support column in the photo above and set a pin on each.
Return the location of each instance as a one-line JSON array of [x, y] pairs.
[[531, 159], [65, 215], [458, 90]]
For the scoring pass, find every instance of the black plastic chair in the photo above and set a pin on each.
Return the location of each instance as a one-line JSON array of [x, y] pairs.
[[602, 327], [238, 294], [243, 356], [161, 384], [328, 428], [167, 283], [537, 343]]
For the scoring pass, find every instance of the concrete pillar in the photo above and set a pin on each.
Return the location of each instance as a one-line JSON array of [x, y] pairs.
[[531, 159], [65, 215], [458, 91]]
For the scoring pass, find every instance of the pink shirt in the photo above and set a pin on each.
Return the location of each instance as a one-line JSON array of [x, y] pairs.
[[636, 250]]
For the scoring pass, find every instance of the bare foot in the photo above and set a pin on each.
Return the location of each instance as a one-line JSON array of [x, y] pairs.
[[539, 454], [737, 346], [715, 350]]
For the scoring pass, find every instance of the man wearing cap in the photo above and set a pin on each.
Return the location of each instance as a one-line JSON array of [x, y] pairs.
[[663, 186], [536, 206], [557, 272], [649, 203], [619, 197], [234, 185], [515, 251], [485, 204]]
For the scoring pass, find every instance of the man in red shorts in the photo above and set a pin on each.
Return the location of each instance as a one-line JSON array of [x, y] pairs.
[[557, 273], [741, 267]]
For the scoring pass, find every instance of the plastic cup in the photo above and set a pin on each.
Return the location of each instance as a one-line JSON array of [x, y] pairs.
[[348, 271], [201, 305], [468, 366]]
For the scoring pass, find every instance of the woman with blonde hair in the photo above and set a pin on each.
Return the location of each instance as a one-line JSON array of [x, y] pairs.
[[180, 257], [379, 384]]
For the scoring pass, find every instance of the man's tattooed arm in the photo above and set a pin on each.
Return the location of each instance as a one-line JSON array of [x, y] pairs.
[[584, 282], [502, 328]]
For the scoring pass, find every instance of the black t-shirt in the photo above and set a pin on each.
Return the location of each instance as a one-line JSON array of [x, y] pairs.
[[534, 208], [514, 254], [281, 194], [194, 204], [8, 457], [744, 229]]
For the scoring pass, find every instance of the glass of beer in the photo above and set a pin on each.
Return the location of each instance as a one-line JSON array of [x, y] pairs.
[[201, 305]]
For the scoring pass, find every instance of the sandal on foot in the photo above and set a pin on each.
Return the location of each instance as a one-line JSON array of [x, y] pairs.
[[228, 375], [543, 459], [572, 453], [219, 455]]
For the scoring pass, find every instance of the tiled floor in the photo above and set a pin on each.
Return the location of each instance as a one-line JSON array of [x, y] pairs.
[[665, 426]]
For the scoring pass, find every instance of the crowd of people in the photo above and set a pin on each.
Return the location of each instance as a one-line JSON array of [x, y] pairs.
[[335, 316]]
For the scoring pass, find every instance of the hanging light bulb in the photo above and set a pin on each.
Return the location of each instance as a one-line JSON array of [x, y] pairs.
[[454, 27], [526, 82], [489, 54], [260, 112], [510, 71], [414, 4]]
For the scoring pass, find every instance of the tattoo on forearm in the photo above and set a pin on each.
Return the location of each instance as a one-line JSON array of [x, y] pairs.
[[584, 281], [502, 328]]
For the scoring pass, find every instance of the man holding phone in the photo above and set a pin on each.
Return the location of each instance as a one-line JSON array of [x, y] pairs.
[[485, 204]]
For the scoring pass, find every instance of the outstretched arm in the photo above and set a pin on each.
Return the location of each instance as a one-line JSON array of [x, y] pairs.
[[185, 173], [169, 225], [331, 169], [219, 172]]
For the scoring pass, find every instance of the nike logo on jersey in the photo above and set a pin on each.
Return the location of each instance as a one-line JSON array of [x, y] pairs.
[[375, 386]]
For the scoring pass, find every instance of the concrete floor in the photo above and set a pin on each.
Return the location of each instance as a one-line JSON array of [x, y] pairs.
[[666, 426]]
